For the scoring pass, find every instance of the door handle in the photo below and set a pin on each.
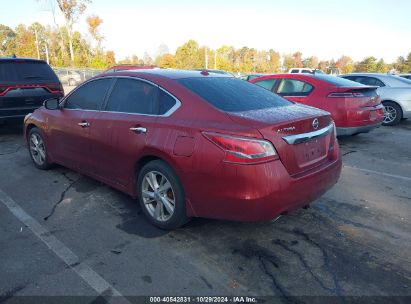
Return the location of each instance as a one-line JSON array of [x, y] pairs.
[[139, 130], [84, 124]]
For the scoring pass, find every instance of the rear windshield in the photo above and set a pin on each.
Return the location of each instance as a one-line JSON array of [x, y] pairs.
[[233, 95], [338, 81], [26, 71]]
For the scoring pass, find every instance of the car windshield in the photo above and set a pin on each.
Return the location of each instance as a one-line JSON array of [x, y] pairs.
[[233, 95], [338, 81]]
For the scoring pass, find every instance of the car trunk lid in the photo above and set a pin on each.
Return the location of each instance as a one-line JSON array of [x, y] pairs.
[[303, 136]]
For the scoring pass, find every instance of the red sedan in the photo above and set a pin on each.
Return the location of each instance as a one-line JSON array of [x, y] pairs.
[[190, 144], [354, 108]]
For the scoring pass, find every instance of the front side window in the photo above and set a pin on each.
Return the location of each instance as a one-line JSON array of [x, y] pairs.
[[89, 96], [292, 87], [267, 83], [294, 71], [133, 96]]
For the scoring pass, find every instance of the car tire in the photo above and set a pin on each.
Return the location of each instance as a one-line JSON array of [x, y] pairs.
[[161, 195], [38, 150], [392, 113], [71, 82]]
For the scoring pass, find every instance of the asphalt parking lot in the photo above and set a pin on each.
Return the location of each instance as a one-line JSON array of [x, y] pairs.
[[64, 234]]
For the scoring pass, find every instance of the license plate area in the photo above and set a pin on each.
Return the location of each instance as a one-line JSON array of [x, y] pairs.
[[311, 152]]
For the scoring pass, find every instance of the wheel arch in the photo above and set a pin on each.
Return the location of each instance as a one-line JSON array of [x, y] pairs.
[[158, 155]]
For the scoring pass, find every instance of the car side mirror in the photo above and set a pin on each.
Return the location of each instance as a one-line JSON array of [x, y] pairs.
[[52, 104]]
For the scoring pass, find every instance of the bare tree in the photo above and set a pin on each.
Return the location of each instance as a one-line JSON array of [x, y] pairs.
[[72, 9]]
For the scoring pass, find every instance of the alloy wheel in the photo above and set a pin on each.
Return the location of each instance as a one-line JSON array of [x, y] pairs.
[[158, 196], [37, 149], [390, 114]]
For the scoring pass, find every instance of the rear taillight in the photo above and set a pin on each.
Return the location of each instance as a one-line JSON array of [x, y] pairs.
[[243, 150], [346, 95], [3, 90], [55, 87]]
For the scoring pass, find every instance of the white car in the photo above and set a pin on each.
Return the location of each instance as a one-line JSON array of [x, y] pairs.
[[395, 93], [304, 70]]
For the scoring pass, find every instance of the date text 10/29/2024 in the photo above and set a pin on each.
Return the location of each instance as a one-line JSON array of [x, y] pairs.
[[205, 299]]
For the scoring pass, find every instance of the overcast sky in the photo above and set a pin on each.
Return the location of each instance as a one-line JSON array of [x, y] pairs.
[[325, 28]]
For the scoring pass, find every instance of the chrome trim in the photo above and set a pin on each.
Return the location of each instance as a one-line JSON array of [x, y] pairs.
[[167, 114], [300, 138]]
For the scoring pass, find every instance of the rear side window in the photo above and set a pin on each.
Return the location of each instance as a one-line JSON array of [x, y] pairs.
[[89, 96], [26, 71], [371, 81], [294, 71], [132, 96], [292, 87], [267, 83], [232, 95], [166, 102]]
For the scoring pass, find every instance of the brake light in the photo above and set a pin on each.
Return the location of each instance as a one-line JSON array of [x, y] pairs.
[[3, 90], [243, 150], [346, 95], [55, 87]]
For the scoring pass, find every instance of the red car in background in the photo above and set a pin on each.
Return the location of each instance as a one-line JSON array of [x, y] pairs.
[[190, 144], [125, 67], [355, 108]]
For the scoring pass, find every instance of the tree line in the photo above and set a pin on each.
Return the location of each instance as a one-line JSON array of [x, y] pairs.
[[61, 46]]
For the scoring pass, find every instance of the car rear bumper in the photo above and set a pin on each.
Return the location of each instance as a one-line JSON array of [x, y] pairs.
[[258, 192], [355, 130]]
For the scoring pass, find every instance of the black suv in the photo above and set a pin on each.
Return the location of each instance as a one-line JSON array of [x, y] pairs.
[[24, 85]]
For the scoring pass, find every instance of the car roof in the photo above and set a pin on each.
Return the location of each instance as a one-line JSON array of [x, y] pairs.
[[20, 59], [165, 73], [368, 74]]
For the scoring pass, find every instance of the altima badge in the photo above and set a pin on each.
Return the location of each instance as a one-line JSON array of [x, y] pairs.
[[289, 129], [315, 123]]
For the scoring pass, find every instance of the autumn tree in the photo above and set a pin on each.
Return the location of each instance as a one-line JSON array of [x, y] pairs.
[[94, 23], [188, 56], [345, 64], [166, 61], [72, 10], [369, 64], [6, 37]]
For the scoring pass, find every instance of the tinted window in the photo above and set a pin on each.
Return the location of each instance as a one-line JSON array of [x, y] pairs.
[[233, 95], [89, 96], [132, 96], [166, 102], [307, 71], [292, 87], [338, 81], [26, 71], [267, 83], [294, 71], [371, 81]]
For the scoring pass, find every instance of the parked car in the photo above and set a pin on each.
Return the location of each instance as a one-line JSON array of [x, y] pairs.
[[124, 67], [190, 144], [407, 76], [395, 94], [69, 77], [249, 77], [355, 108], [305, 71], [24, 85]]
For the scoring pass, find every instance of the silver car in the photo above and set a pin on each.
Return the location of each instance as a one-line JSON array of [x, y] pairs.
[[395, 94]]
